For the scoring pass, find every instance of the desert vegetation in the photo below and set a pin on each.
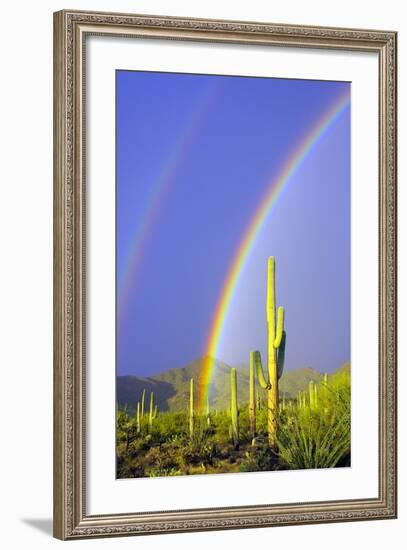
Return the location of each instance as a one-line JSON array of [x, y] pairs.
[[313, 431]]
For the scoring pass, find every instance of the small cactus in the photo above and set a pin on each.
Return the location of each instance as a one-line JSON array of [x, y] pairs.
[[138, 423], [313, 395], [151, 414], [143, 397]]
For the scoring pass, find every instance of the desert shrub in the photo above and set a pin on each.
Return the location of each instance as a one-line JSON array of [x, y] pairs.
[[317, 436], [200, 446], [259, 460], [170, 423]]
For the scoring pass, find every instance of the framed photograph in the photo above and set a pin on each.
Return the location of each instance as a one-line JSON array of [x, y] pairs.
[[224, 274]]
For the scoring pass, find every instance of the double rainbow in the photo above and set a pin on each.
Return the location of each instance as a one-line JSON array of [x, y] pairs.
[[274, 190]]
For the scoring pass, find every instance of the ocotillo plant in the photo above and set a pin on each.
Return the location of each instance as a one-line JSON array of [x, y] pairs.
[[276, 352], [252, 396], [143, 396], [233, 406], [208, 417], [155, 411], [151, 415], [191, 407], [138, 423]]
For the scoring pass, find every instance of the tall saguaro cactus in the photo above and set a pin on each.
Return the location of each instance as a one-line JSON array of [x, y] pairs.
[[191, 407], [276, 352], [252, 395], [233, 406]]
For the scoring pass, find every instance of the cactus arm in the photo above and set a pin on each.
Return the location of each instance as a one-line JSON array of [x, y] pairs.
[[259, 370], [280, 328], [281, 355]]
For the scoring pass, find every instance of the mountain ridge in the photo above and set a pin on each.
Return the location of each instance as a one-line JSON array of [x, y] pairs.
[[171, 387]]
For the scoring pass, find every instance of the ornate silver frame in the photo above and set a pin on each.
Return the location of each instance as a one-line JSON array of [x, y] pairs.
[[70, 518]]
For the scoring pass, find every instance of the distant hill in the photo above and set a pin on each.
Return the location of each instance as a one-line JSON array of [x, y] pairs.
[[298, 380], [171, 387]]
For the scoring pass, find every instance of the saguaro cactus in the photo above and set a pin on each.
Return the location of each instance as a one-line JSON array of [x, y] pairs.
[[143, 397], [276, 352], [313, 395], [191, 407], [138, 423], [151, 414], [252, 396], [233, 406]]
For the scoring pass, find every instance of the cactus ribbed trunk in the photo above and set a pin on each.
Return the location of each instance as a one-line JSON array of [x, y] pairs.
[[151, 414], [252, 396], [191, 407], [233, 407]]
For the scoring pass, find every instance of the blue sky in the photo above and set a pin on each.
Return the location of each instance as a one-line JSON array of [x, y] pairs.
[[195, 155]]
